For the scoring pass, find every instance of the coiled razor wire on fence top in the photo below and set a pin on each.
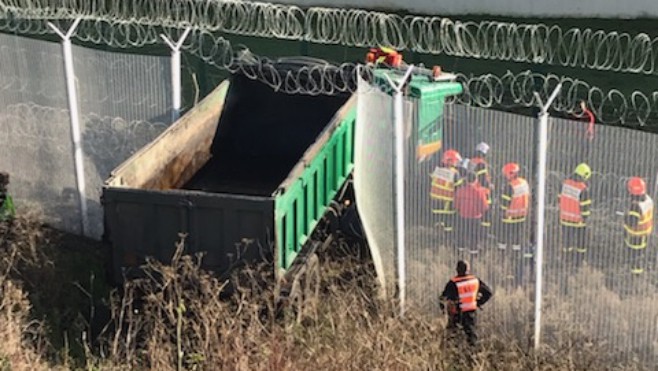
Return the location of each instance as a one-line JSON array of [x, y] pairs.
[[314, 77], [133, 21], [311, 76]]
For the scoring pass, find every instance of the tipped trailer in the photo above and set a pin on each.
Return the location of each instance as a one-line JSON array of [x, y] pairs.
[[246, 175]]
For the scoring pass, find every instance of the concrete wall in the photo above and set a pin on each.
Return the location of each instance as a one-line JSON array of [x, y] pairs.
[[523, 8]]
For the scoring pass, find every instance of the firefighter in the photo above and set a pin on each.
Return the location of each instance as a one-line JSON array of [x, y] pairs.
[[462, 296], [444, 181], [575, 204], [471, 205], [7, 210], [480, 166], [384, 55], [514, 208], [638, 224]]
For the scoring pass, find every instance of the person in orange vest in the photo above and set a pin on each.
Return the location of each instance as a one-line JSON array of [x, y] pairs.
[[471, 205], [575, 204], [480, 167], [514, 208], [462, 296], [638, 224], [444, 182]]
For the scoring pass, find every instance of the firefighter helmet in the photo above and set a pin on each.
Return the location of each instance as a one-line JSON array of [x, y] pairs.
[[583, 170], [482, 147], [636, 186], [451, 157], [511, 170]]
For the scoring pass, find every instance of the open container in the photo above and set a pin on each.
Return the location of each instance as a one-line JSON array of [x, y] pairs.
[[246, 174]]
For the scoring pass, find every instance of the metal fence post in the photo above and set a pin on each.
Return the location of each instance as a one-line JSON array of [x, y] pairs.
[[175, 72], [75, 119], [398, 154], [541, 208]]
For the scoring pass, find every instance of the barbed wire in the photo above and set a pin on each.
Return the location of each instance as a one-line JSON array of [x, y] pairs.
[[511, 90], [134, 23], [508, 91], [517, 90]]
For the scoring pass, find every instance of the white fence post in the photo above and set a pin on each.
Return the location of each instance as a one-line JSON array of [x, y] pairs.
[[398, 153], [541, 208], [75, 120], [175, 72]]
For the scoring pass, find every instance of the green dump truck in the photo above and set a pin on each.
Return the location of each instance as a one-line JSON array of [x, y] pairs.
[[246, 174]]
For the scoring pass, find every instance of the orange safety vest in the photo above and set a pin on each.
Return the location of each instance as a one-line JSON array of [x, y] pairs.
[[518, 207], [645, 225], [570, 212], [467, 289], [443, 183]]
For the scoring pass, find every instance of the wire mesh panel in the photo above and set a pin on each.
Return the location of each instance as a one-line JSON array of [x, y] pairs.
[[373, 177], [441, 230], [124, 103], [601, 251], [35, 136]]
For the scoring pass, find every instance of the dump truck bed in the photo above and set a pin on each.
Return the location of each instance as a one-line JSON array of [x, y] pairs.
[[227, 174]]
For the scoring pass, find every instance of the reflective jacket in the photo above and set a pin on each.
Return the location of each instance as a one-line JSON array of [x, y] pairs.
[[639, 223], [467, 291], [481, 170], [516, 201], [574, 203], [471, 201], [444, 182]]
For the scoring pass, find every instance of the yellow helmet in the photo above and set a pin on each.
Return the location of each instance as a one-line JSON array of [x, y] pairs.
[[583, 171]]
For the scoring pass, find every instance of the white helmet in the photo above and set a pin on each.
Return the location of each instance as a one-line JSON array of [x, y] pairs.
[[482, 147]]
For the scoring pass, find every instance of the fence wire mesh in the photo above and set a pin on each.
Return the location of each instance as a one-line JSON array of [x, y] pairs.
[[438, 236], [35, 136], [593, 291], [594, 280], [124, 102]]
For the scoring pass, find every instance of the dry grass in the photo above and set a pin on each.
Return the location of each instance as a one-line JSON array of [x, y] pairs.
[[175, 319]]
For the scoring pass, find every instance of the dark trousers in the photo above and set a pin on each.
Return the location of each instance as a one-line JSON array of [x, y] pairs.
[[512, 233], [467, 322], [445, 214], [574, 244], [636, 260], [470, 234]]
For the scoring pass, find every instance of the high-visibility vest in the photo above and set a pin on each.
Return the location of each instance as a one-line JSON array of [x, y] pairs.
[[570, 211], [467, 289], [520, 200], [443, 183], [645, 224], [475, 161]]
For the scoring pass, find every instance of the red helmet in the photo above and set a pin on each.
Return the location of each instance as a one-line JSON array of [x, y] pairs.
[[511, 170], [451, 157], [636, 186]]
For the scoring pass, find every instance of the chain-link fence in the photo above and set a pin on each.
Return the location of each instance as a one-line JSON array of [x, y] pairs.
[[595, 286], [124, 101]]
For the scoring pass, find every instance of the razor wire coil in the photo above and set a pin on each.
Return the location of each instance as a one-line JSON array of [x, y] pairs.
[[507, 91], [133, 23]]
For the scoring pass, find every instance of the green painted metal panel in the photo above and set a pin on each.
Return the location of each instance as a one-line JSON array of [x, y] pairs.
[[432, 94], [301, 206]]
